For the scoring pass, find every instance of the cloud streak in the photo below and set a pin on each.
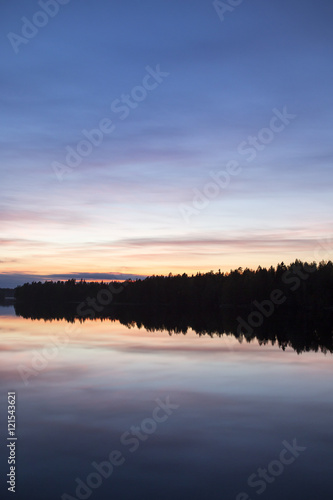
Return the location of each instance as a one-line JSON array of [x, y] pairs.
[[119, 208]]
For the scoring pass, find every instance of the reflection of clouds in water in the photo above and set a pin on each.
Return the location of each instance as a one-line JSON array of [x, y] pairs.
[[236, 407]]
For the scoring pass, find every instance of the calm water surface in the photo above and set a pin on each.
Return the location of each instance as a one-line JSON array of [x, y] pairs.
[[181, 416]]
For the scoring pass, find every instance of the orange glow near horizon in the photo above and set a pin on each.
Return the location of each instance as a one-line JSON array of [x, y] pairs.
[[24, 337], [43, 251], [190, 260]]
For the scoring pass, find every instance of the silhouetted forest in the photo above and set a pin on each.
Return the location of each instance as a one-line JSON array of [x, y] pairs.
[[301, 285], [287, 305]]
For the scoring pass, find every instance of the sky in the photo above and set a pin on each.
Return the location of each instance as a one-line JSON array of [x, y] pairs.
[[148, 137]]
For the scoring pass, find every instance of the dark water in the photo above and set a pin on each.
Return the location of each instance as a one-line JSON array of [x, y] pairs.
[[180, 417]]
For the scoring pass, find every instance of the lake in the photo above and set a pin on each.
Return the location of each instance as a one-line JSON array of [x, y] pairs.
[[106, 411]]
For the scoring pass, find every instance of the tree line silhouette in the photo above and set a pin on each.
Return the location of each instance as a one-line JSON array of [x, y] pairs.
[[209, 304], [303, 285]]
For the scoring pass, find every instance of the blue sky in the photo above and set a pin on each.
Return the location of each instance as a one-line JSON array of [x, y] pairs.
[[137, 202]]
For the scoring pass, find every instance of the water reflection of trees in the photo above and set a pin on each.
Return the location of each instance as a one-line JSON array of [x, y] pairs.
[[294, 303], [300, 330]]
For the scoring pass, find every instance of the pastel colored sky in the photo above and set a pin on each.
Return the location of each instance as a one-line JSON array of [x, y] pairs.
[[249, 94]]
